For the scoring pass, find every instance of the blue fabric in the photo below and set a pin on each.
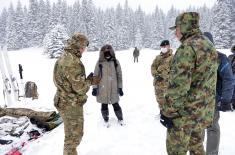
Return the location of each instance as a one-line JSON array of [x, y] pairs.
[[225, 80]]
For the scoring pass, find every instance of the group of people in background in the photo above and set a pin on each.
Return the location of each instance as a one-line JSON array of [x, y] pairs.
[[191, 87]]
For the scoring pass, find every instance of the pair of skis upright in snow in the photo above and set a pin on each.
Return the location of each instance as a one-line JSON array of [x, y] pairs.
[[10, 84]]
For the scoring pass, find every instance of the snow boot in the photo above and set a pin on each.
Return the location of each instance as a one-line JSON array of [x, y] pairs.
[[105, 115], [119, 115]]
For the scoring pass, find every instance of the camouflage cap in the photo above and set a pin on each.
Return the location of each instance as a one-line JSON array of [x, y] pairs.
[[188, 19], [78, 41]]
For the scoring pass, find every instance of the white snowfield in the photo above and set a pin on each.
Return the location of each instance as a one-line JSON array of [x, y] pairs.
[[142, 134]]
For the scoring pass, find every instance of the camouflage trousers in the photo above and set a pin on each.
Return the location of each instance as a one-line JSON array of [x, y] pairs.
[[73, 119], [160, 97], [180, 141]]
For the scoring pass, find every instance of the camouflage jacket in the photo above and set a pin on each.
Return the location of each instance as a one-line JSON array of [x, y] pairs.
[[70, 77], [160, 69], [192, 84]]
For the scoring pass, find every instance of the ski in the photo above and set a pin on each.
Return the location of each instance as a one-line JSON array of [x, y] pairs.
[[13, 79], [6, 82]]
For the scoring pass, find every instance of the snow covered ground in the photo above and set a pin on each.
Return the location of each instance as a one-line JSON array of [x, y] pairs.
[[142, 134]]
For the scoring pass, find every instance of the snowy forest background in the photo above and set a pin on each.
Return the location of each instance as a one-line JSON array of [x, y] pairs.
[[42, 24]]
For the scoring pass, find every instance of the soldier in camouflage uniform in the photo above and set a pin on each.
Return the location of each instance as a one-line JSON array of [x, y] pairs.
[[72, 86], [190, 97], [160, 70]]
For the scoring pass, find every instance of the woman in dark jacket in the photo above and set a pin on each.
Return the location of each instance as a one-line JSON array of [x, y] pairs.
[[110, 86]]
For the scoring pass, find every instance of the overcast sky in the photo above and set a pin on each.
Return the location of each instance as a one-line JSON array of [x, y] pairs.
[[147, 5]]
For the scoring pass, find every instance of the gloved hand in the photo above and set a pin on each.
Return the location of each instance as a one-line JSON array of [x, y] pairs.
[[225, 106], [165, 121], [95, 80], [89, 77], [159, 78], [94, 91], [120, 91]]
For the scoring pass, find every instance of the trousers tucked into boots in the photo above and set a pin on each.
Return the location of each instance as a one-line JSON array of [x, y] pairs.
[[117, 110]]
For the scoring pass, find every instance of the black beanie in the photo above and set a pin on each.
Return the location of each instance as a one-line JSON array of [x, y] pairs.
[[209, 36], [165, 42], [233, 49]]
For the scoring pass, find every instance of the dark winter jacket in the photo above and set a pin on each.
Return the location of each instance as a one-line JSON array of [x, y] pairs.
[[225, 80], [111, 77], [232, 62]]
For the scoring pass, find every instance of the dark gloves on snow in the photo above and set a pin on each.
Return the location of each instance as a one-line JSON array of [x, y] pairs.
[[120, 91], [94, 92], [165, 121]]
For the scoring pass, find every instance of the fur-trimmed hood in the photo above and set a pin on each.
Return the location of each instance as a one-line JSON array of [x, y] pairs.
[[109, 48]]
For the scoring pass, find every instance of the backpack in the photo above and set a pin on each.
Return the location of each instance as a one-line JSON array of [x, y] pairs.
[[232, 61], [115, 64], [31, 90]]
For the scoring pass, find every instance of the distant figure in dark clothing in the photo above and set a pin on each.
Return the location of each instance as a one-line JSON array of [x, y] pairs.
[[136, 54]]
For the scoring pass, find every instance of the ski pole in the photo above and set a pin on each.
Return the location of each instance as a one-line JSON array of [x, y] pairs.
[[21, 79]]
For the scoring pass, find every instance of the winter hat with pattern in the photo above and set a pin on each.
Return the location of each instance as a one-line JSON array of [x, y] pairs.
[[78, 41], [186, 21]]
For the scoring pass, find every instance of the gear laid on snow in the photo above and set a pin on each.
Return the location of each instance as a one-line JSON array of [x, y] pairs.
[[33, 134], [5, 142]]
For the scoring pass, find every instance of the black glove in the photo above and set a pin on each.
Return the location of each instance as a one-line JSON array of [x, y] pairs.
[[159, 78], [225, 106], [167, 122], [94, 92], [120, 91]]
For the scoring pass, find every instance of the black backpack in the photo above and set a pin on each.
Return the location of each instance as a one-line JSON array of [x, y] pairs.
[[232, 61]]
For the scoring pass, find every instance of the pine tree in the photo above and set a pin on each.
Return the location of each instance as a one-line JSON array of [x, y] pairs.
[[221, 28], [43, 17], [147, 38], [33, 30], [205, 19], [158, 33], [139, 27], [24, 28], [54, 41], [88, 14], [19, 26], [169, 22], [3, 26], [109, 33], [11, 29]]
